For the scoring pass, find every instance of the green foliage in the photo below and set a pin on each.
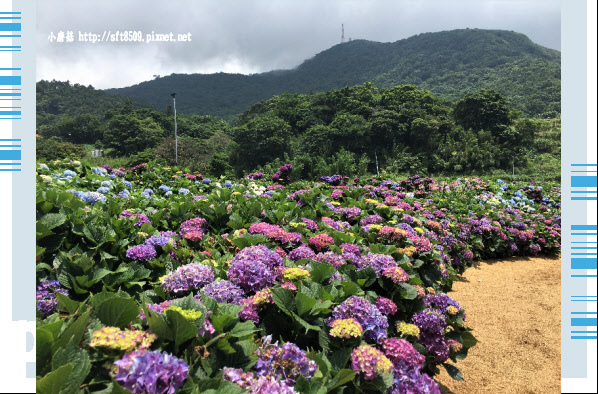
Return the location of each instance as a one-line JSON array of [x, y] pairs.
[[128, 134], [54, 148]]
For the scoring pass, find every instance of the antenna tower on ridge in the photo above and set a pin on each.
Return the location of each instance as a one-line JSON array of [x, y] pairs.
[[343, 33]]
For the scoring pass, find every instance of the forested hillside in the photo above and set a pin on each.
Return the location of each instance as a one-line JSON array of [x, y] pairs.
[[450, 64]]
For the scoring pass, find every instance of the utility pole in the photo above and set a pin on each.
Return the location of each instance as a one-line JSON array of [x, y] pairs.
[[377, 172], [176, 140]]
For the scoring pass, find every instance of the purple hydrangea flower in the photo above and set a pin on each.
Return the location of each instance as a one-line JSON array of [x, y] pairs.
[[378, 262], [262, 385], [310, 224], [190, 276], [413, 382], [302, 252], [224, 291], [253, 268], [141, 252], [398, 350], [159, 240], [151, 372], [430, 320], [373, 322], [46, 298], [436, 345], [386, 306], [286, 363], [440, 301], [336, 260]]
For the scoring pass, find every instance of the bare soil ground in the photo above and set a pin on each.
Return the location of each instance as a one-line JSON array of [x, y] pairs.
[[514, 308]]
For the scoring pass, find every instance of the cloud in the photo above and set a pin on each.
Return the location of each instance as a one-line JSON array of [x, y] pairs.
[[251, 36]]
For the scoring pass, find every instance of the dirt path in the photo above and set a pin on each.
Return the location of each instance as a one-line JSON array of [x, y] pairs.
[[514, 307]]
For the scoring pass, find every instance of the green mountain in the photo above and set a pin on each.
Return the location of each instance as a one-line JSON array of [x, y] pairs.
[[450, 64]]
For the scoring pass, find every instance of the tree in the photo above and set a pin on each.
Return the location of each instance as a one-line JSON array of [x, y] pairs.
[[483, 110], [128, 134], [81, 129], [262, 139]]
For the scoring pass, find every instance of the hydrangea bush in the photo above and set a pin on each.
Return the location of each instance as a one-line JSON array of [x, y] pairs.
[[156, 280]]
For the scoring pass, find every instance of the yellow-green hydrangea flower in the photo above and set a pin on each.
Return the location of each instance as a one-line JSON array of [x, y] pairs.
[[452, 310], [188, 314], [346, 328], [264, 296], [419, 230], [408, 329], [295, 274], [297, 225], [117, 339]]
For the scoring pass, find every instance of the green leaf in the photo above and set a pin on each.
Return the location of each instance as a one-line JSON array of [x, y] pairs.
[[468, 339], [182, 329], [323, 364], [43, 345], [46, 207], [340, 357], [351, 288], [407, 291], [284, 299], [453, 371], [42, 230], [53, 220], [304, 303], [79, 358], [97, 299], [117, 311], [224, 346], [74, 332], [242, 329], [219, 322], [53, 382], [321, 271], [63, 301], [343, 376], [157, 323]]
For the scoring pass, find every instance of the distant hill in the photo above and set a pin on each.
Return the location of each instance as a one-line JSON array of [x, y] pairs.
[[56, 99], [450, 64]]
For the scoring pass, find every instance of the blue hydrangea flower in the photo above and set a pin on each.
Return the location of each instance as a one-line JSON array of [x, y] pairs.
[[207, 180], [103, 190], [70, 173], [93, 197], [147, 192], [164, 188], [228, 184], [99, 171], [184, 191], [124, 193], [127, 184], [106, 184]]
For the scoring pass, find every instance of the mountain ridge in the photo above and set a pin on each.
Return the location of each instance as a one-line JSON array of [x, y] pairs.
[[448, 63]]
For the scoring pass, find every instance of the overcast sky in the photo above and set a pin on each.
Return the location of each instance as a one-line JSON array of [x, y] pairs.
[[252, 36]]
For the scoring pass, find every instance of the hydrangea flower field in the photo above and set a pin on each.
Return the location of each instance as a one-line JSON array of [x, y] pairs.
[[151, 280]]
